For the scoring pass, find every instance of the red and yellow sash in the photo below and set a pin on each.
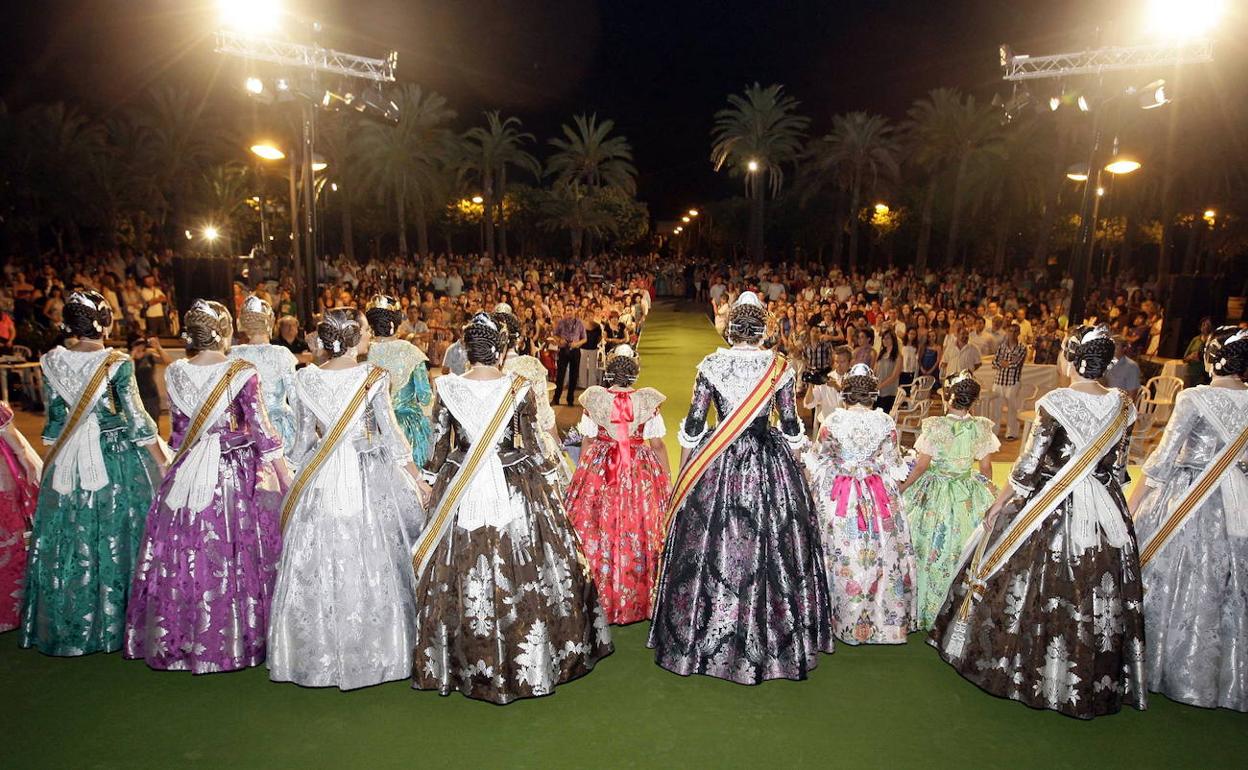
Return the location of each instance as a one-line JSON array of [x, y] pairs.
[[725, 433]]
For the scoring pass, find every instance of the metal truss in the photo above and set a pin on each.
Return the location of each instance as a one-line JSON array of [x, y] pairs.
[[1093, 62], [307, 57]]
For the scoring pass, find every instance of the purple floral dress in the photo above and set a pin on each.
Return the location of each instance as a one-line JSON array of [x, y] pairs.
[[204, 581]]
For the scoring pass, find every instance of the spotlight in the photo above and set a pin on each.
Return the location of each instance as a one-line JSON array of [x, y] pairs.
[[1082, 101], [377, 103], [333, 186], [1100, 192], [1153, 95], [1184, 19], [1210, 217], [254, 86], [477, 199], [752, 165], [1054, 103], [881, 208], [1077, 172], [211, 233], [1122, 164], [250, 17], [282, 84], [188, 234]]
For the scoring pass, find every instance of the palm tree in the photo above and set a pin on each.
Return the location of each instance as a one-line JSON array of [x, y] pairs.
[[589, 155], [337, 138], [61, 146], [489, 150], [575, 207], [858, 151], [405, 162], [223, 191], [756, 135], [181, 140], [1008, 186], [949, 132]]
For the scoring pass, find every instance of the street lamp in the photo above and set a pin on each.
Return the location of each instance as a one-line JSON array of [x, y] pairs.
[[693, 212], [685, 220], [1210, 217], [477, 199], [752, 165], [881, 208], [1077, 172], [1122, 165], [267, 151], [211, 233]]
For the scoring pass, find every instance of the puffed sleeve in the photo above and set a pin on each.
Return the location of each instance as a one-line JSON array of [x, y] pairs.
[[927, 442], [251, 404], [694, 428], [1025, 476], [586, 425], [141, 425], [654, 427], [1160, 465], [387, 424], [305, 432], [790, 424], [57, 411], [442, 438], [987, 442]]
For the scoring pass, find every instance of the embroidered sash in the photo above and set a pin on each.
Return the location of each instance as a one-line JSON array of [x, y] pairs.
[[86, 401], [986, 561], [441, 522], [1205, 485], [726, 432], [329, 442]]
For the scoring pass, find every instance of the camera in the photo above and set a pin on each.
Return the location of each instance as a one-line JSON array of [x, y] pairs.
[[816, 376]]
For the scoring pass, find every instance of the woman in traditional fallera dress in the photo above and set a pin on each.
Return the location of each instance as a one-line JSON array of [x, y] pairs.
[[533, 370], [507, 607], [1195, 569], [948, 491], [97, 486], [742, 594], [20, 470], [855, 469], [619, 494], [275, 364], [343, 610], [409, 379], [204, 582], [1047, 610]]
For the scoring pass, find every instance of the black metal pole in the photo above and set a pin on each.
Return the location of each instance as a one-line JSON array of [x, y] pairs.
[[1082, 252], [309, 286]]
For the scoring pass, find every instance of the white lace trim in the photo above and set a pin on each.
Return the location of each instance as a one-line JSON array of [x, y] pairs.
[[735, 372]]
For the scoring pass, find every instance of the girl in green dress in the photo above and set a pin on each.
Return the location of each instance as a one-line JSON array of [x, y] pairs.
[[97, 486], [948, 491]]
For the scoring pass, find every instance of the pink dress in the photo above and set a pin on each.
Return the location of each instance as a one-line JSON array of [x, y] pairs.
[[17, 505]]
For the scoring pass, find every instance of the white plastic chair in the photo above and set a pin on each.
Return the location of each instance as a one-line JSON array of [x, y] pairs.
[[910, 419]]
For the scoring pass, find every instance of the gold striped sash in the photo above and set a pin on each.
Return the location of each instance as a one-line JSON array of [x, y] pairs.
[[200, 421], [1205, 484], [986, 562], [329, 442], [85, 400], [441, 521], [725, 433]]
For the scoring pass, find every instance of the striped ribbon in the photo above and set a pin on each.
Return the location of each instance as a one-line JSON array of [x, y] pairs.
[[484, 444], [329, 442], [1205, 485]]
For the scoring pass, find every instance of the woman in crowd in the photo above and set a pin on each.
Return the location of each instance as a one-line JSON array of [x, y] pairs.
[[212, 532], [344, 608], [866, 542], [742, 591], [20, 470], [619, 494], [948, 491], [1048, 609], [929, 357], [888, 367], [104, 461], [274, 363], [1191, 517], [506, 607], [909, 356], [410, 392]]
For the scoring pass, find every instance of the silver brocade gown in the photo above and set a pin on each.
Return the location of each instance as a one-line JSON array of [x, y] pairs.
[[343, 610], [276, 366], [1196, 587]]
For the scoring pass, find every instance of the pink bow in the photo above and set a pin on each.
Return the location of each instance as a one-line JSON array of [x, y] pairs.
[[841, 489], [622, 419]]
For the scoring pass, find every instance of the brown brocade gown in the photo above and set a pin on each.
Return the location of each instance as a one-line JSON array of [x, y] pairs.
[[507, 607], [1060, 626]]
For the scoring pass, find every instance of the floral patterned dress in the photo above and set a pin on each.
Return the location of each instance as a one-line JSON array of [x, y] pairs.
[[946, 503], [1061, 625], [618, 497], [204, 582], [866, 541], [532, 370], [18, 494], [506, 607], [91, 511], [410, 391]]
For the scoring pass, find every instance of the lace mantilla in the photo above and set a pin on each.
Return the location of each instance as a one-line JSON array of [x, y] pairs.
[[326, 392], [1083, 415], [474, 402], [858, 434], [734, 372], [189, 384], [399, 357], [68, 371]]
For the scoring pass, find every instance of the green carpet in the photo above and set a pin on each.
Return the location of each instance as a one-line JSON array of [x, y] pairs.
[[879, 706]]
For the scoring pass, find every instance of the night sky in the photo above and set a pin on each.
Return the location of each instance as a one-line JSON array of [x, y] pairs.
[[659, 69]]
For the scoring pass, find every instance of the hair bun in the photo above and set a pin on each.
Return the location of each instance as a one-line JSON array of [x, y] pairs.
[[206, 326], [86, 315], [1091, 350], [1227, 352], [384, 314], [339, 330]]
